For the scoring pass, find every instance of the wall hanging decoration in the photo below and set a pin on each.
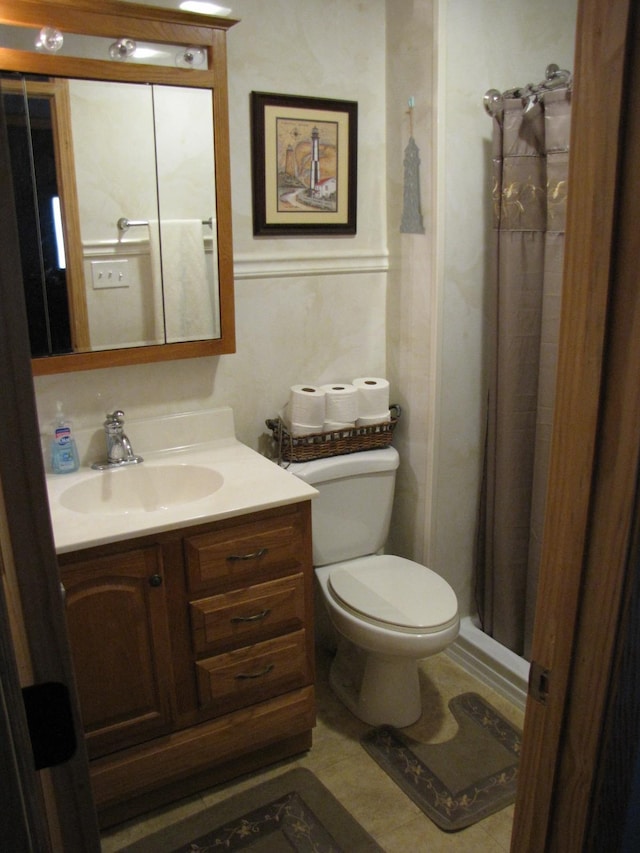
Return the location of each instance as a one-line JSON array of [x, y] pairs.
[[411, 211], [304, 164]]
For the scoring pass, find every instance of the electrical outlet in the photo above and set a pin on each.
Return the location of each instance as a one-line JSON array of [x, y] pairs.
[[105, 274]]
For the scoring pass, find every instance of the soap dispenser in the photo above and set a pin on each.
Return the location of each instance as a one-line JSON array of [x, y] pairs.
[[64, 453]]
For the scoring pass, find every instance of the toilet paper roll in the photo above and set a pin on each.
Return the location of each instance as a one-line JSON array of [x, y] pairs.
[[374, 419], [306, 406], [341, 403], [373, 396], [299, 430], [295, 429], [336, 426]]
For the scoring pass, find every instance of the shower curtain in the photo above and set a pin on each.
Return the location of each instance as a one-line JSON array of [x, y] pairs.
[[530, 160]]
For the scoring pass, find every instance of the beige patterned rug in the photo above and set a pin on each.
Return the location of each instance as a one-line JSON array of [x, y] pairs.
[[293, 813], [463, 780]]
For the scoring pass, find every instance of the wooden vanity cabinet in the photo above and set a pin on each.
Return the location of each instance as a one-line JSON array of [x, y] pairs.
[[193, 653]]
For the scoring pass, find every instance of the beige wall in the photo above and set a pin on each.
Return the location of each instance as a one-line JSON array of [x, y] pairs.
[[446, 54], [482, 45], [411, 314], [408, 306], [308, 310]]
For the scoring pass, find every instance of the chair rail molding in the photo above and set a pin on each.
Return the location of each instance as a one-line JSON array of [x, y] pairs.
[[252, 266]]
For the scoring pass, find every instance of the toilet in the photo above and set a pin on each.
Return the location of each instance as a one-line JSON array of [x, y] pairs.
[[388, 612]]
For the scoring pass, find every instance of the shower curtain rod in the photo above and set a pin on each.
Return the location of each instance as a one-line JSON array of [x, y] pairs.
[[555, 78]]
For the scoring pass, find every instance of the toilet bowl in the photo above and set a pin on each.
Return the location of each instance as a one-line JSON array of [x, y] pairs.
[[388, 612]]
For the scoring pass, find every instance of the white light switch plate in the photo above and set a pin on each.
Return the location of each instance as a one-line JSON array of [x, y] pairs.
[[109, 274]]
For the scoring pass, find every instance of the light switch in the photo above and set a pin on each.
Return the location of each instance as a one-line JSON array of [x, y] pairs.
[[106, 274]]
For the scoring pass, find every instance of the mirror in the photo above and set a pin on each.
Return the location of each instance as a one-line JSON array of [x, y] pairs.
[[148, 277], [133, 168]]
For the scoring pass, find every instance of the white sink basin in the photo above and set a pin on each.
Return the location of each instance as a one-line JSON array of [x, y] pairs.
[[136, 488], [195, 472]]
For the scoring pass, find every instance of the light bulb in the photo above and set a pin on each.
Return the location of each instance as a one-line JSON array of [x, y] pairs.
[[190, 57], [122, 49], [49, 39]]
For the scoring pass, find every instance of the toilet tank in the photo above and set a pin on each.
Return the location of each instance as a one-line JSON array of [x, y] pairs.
[[352, 512]]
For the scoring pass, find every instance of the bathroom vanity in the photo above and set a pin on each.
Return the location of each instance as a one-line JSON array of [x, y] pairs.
[[190, 618]]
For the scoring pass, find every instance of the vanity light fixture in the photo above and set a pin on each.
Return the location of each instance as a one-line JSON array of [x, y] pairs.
[[204, 8], [122, 49], [49, 39]]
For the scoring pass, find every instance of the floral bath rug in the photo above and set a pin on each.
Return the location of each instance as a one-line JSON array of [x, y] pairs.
[[293, 812], [463, 780]]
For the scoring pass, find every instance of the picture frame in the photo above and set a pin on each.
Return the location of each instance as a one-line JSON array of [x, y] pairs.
[[304, 165]]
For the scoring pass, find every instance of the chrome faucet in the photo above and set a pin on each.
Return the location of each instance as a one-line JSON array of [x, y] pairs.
[[119, 450]]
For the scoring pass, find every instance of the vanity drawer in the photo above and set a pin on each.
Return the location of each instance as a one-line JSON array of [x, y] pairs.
[[229, 557], [254, 673], [248, 615]]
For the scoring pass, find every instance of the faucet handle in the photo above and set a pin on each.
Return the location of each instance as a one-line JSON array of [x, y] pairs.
[[116, 417], [119, 451]]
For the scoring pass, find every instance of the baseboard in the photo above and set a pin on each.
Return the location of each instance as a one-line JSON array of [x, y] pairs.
[[492, 664]]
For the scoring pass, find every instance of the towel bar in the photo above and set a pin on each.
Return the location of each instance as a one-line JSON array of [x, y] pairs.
[[124, 224]]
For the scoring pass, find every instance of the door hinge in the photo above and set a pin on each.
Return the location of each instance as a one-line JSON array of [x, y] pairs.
[[539, 678]]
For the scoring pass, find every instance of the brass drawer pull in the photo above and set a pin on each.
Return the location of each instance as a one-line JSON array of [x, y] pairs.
[[255, 555], [256, 618], [244, 675]]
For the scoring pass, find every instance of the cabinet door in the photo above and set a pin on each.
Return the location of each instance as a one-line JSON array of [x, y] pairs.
[[117, 620]]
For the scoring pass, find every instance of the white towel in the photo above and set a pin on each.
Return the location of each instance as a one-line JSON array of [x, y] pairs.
[[156, 318], [188, 306]]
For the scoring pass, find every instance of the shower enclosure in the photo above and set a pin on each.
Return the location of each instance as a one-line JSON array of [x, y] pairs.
[[530, 157]]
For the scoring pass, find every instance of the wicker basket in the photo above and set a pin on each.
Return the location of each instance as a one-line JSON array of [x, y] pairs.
[[337, 443]]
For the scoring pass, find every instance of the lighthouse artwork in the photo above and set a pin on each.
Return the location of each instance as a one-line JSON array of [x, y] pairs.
[[307, 165], [304, 164]]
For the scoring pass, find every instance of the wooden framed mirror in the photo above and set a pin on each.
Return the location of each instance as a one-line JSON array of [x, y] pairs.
[[121, 181]]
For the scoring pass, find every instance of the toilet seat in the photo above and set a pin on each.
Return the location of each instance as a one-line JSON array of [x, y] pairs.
[[395, 593]]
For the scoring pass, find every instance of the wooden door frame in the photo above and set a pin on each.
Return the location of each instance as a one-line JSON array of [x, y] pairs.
[[595, 446]]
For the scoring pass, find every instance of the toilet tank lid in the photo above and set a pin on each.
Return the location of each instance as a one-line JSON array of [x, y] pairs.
[[348, 465]]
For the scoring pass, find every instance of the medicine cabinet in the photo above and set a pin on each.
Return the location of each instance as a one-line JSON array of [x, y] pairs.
[[117, 124]]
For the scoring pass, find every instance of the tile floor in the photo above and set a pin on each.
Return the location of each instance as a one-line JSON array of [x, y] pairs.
[[342, 765]]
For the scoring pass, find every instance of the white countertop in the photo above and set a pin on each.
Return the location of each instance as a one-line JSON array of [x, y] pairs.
[[251, 483]]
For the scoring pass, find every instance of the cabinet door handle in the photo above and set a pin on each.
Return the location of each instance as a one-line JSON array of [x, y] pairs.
[[255, 618], [244, 675], [155, 580], [255, 555]]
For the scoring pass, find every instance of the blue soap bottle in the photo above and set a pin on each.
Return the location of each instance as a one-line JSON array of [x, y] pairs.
[[64, 453]]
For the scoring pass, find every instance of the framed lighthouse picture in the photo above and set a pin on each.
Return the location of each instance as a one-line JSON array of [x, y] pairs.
[[304, 165]]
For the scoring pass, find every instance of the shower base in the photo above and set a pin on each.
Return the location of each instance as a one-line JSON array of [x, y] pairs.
[[491, 663]]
